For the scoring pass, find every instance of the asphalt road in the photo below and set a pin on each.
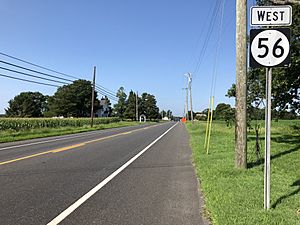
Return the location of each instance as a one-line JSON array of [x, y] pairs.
[[116, 176]]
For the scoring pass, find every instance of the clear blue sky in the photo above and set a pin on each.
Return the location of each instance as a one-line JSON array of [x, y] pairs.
[[138, 44]]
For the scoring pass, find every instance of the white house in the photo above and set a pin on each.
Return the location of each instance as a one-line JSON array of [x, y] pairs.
[[104, 109]]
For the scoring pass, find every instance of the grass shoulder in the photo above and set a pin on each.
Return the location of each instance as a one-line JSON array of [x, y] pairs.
[[235, 196]]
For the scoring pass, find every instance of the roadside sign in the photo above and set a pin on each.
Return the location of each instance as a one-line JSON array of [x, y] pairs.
[[271, 15], [270, 47]]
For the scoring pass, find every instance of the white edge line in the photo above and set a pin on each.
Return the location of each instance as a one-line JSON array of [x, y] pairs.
[[58, 139], [89, 194]]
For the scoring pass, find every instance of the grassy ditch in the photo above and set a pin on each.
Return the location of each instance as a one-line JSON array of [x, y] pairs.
[[235, 196], [10, 134]]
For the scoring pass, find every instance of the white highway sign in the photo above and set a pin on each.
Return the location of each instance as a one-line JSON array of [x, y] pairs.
[[271, 15], [270, 47]]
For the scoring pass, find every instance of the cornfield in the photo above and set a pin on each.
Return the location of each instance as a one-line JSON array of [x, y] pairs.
[[19, 124]]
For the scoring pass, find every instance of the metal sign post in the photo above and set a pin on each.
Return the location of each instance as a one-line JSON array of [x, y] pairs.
[[267, 139]]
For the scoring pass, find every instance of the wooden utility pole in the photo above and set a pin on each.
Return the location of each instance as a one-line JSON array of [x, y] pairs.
[[93, 97], [190, 88], [137, 106], [241, 85], [186, 103]]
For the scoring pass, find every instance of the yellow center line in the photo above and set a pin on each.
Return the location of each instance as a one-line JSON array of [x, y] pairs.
[[101, 139], [26, 157], [67, 148], [73, 146]]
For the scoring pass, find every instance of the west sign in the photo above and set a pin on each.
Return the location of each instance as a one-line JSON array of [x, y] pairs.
[[271, 15]]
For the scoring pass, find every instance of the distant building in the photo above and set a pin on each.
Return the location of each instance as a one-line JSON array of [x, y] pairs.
[[104, 110], [200, 116], [165, 118]]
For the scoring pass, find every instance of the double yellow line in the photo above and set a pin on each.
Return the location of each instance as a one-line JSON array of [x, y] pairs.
[[72, 146]]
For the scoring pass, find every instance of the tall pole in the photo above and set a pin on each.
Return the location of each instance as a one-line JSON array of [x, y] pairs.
[[93, 97], [210, 123], [136, 107], [190, 88], [267, 139], [241, 82], [186, 103]]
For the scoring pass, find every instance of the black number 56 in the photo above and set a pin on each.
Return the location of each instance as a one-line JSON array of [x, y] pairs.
[[276, 48]]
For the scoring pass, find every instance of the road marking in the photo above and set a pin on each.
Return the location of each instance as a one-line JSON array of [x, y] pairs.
[[25, 157], [67, 147], [59, 139], [70, 146], [89, 194]]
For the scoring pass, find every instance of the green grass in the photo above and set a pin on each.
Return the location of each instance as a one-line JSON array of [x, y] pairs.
[[12, 135], [235, 196]]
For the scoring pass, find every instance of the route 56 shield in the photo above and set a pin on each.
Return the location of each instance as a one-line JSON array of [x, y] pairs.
[[270, 47]]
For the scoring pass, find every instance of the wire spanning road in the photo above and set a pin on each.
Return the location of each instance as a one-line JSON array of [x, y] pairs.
[[133, 175]]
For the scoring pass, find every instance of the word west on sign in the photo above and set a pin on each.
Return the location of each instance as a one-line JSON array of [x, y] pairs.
[[271, 15]]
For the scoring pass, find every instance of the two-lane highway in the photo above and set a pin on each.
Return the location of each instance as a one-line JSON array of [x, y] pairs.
[[132, 175]]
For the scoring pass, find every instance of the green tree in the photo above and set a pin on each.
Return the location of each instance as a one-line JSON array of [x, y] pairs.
[[224, 112], [27, 104], [148, 106], [130, 112], [163, 113], [73, 100], [120, 107], [170, 114]]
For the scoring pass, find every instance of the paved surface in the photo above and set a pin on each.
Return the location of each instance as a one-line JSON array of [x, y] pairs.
[[159, 187]]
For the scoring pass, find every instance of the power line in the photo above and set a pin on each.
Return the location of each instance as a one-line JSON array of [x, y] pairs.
[[30, 81], [190, 61], [106, 89], [35, 71], [101, 89], [33, 64], [30, 75], [106, 94], [214, 77], [208, 36]]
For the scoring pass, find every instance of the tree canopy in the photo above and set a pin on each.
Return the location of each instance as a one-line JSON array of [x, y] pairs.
[[73, 100], [27, 104], [148, 106], [130, 111], [120, 107]]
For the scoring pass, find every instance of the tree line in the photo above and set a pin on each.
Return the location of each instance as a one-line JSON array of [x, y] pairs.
[[74, 100]]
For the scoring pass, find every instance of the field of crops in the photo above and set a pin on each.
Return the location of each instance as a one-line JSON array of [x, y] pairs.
[[20, 124]]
